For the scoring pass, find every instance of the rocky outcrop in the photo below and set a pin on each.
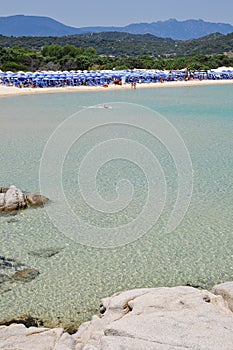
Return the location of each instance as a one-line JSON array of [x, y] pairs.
[[161, 318], [154, 319], [13, 199]]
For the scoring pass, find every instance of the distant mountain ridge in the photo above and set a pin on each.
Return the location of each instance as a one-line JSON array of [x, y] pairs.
[[20, 25]]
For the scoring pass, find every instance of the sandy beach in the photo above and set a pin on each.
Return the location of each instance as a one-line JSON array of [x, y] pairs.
[[11, 90]]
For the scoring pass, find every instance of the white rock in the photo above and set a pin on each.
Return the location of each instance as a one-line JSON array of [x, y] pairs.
[[66, 342], [121, 343], [2, 199], [176, 318], [162, 318], [117, 305], [226, 291], [14, 199], [17, 336], [79, 346], [90, 347]]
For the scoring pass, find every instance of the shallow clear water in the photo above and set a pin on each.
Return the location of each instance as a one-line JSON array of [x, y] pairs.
[[71, 282]]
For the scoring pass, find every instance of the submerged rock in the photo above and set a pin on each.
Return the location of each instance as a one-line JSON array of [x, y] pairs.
[[7, 263], [13, 271], [45, 253], [13, 199], [36, 200], [25, 275]]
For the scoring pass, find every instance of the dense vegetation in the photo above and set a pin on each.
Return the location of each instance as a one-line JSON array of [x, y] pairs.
[[114, 50], [124, 44]]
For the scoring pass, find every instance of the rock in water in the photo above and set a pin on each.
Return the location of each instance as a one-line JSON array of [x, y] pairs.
[[36, 200], [4, 189], [13, 271], [2, 200], [13, 199], [25, 275]]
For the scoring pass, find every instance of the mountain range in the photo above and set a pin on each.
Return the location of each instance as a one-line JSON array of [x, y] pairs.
[[21, 25]]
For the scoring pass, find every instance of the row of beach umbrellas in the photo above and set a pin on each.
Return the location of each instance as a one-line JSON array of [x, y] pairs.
[[75, 78]]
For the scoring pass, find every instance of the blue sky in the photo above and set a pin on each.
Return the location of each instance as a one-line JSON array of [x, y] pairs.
[[120, 12]]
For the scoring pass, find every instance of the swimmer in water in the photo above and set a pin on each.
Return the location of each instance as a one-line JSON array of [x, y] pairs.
[[106, 106]]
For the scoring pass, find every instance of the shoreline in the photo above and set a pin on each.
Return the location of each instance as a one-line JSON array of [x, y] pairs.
[[139, 319], [6, 91]]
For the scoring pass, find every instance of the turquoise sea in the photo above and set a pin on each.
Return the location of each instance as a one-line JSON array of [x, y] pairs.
[[74, 277]]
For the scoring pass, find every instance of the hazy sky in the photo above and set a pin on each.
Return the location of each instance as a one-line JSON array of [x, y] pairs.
[[79, 13]]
